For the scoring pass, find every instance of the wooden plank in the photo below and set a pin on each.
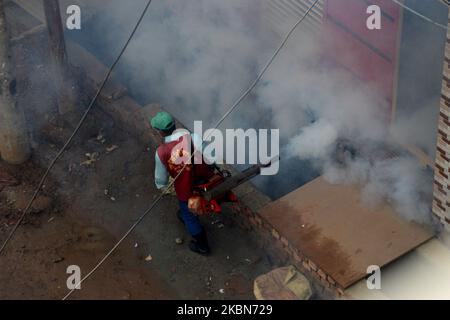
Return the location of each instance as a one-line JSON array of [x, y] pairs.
[[330, 226]]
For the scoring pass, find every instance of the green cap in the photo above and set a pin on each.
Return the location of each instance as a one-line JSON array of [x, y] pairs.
[[162, 121]]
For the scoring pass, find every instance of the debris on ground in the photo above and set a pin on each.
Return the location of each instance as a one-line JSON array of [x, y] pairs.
[[71, 167], [92, 158], [116, 94], [6, 180], [209, 281], [19, 197], [58, 259], [179, 241], [148, 258], [100, 137], [285, 283], [111, 148]]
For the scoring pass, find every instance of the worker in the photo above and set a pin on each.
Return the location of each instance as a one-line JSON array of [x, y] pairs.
[[170, 159]]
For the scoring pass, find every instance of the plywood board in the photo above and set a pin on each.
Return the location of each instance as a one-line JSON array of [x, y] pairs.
[[331, 226]]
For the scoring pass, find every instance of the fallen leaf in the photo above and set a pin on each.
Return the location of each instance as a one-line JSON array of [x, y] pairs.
[[111, 148]]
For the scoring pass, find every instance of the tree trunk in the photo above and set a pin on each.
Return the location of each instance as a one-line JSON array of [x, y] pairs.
[[63, 83], [14, 143]]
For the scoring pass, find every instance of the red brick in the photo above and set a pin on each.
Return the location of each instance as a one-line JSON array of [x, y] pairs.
[[312, 265], [441, 207], [437, 183], [322, 274], [446, 101], [325, 283], [445, 120], [297, 257], [284, 241], [443, 174], [439, 167], [275, 234], [446, 140], [316, 276], [443, 154], [289, 250], [306, 265], [267, 226], [437, 216]]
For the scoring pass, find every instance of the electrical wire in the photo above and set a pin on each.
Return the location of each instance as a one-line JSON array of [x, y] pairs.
[[230, 110], [74, 133], [420, 15]]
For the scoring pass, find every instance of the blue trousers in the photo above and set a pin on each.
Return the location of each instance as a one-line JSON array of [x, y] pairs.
[[190, 220]]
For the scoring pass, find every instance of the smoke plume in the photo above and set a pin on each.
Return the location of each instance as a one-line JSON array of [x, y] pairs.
[[197, 57]]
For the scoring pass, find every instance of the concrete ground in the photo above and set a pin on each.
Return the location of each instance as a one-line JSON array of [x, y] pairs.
[[90, 207]]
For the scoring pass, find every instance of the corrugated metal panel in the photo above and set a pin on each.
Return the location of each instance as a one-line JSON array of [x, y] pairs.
[[369, 55], [282, 14]]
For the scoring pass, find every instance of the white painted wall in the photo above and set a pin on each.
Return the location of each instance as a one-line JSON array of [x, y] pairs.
[[424, 273]]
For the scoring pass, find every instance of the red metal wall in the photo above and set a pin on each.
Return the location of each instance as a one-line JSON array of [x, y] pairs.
[[370, 55]]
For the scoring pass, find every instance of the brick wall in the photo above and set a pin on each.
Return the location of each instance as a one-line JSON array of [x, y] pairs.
[[441, 199], [278, 248]]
